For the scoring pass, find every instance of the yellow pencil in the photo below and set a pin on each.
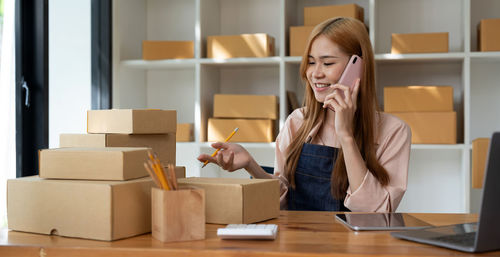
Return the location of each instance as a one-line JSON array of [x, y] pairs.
[[216, 151], [158, 172]]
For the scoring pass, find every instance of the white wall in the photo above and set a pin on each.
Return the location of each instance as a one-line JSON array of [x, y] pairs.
[[69, 67]]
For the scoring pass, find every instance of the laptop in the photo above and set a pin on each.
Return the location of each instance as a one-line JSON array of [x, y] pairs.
[[480, 236], [381, 221]]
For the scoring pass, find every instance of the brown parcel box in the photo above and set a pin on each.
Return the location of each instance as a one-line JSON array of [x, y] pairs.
[[101, 210], [479, 154], [488, 35], [180, 171], [418, 99], [244, 45], [246, 106], [298, 39], [431, 127], [127, 121], [419, 43], [110, 163], [162, 144], [250, 130], [316, 14], [158, 50], [185, 132], [237, 201]]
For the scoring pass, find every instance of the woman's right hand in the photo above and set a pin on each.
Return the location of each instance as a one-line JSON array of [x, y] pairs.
[[230, 157]]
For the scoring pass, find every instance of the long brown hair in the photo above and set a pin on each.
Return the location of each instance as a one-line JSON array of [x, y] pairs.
[[352, 37]]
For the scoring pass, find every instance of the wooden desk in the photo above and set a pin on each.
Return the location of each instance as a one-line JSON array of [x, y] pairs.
[[301, 233]]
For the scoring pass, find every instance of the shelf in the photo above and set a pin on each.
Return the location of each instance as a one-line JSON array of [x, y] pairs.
[[386, 58], [160, 64], [485, 55], [437, 147], [241, 61]]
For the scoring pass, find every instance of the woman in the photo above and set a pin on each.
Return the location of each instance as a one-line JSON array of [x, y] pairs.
[[338, 152]]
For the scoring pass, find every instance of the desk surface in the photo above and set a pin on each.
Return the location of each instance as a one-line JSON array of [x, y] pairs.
[[311, 233]]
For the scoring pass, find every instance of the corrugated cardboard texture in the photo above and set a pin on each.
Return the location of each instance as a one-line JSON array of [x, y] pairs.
[[488, 35], [298, 39], [158, 50], [246, 106], [244, 45], [254, 130], [431, 127], [84, 209], [479, 155], [111, 163], [419, 43], [127, 121], [418, 99], [316, 14], [185, 132]]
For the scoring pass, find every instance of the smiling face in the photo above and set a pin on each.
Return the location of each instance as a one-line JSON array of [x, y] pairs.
[[325, 66]]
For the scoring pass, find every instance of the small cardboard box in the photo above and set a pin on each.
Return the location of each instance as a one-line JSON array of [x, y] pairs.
[[246, 106], [244, 45], [100, 210], [185, 132], [479, 155], [419, 43], [237, 201], [180, 171], [314, 15], [298, 39], [161, 144], [488, 35], [431, 127], [418, 99], [158, 50], [250, 130], [110, 163], [127, 121]]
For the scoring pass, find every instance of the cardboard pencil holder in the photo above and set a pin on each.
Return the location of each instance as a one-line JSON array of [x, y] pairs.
[[178, 215]]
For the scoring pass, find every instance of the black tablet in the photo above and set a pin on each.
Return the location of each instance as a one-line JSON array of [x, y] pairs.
[[381, 221]]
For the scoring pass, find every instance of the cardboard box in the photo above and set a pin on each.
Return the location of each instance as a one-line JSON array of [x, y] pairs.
[[250, 130], [101, 210], [110, 163], [418, 99], [419, 43], [180, 171], [185, 132], [127, 121], [479, 157], [298, 39], [230, 200], [246, 106], [161, 144], [244, 45], [158, 50], [314, 15], [488, 35], [431, 127]]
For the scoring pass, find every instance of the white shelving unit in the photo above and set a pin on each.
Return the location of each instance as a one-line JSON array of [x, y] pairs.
[[439, 175]]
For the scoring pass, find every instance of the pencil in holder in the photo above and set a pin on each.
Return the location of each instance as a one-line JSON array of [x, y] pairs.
[[178, 215]]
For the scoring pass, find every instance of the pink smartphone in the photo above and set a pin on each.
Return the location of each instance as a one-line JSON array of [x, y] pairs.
[[352, 72]]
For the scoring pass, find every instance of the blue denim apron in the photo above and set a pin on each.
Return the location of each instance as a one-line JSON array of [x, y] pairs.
[[312, 180]]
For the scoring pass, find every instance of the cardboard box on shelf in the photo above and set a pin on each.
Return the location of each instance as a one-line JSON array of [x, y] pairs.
[[298, 39], [488, 35], [128, 121], [110, 163], [314, 15], [185, 132], [158, 50], [431, 127], [100, 210], [161, 144], [244, 45], [246, 106], [419, 43], [230, 200], [250, 130], [418, 99], [479, 154]]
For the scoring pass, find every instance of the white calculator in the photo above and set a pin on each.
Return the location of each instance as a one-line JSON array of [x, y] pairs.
[[248, 231]]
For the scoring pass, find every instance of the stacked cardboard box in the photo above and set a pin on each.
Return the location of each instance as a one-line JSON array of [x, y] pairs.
[[488, 35], [479, 157], [244, 45], [419, 43]]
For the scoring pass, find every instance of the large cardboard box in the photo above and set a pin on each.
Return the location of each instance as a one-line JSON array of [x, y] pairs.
[[419, 43], [488, 35], [244, 45], [298, 39], [418, 99], [161, 144], [314, 15], [158, 50], [185, 132], [110, 163], [246, 106], [431, 127], [128, 121], [250, 130], [230, 200], [101, 210], [479, 157]]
